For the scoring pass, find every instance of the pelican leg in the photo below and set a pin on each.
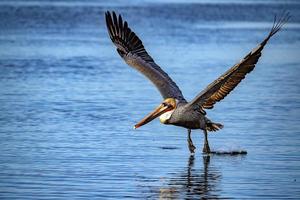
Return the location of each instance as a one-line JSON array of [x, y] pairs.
[[190, 142], [206, 148]]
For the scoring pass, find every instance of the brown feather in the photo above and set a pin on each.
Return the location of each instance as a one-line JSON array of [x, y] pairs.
[[132, 50], [221, 87]]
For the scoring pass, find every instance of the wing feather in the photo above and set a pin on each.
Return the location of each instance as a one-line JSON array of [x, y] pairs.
[[220, 88], [132, 50]]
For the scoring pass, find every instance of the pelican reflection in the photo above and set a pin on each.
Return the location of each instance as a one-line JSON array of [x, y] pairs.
[[194, 183]]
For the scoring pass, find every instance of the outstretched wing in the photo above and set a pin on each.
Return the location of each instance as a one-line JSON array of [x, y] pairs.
[[132, 50], [220, 88]]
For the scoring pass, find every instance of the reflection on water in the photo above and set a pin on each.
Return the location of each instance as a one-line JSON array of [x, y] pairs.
[[194, 183]]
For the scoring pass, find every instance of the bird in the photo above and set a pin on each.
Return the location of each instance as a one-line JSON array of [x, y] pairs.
[[175, 109]]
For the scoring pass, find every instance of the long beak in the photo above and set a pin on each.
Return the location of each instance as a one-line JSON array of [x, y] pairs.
[[157, 112]]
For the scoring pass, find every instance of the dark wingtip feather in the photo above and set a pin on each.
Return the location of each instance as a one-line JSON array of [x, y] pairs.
[[278, 24], [107, 15], [115, 23], [113, 13], [121, 31], [109, 24], [120, 21], [122, 36]]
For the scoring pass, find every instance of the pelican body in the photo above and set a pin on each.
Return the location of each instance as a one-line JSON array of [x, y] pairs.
[[175, 109]]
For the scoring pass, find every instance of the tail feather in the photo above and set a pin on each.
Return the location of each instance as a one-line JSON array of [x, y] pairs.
[[212, 126]]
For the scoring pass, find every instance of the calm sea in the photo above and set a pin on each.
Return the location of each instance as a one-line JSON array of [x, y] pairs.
[[68, 102]]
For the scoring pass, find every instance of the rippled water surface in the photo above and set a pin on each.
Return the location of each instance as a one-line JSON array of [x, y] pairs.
[[68, 102]]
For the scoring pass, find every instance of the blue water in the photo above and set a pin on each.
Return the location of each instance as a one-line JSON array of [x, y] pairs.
[[68, 102]]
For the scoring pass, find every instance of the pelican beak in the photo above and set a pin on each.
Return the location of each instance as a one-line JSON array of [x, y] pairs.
[[156, 113]]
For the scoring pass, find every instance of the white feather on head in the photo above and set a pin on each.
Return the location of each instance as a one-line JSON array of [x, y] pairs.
[[167, 115]]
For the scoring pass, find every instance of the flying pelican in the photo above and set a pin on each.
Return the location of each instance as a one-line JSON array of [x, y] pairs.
[[174, 109]]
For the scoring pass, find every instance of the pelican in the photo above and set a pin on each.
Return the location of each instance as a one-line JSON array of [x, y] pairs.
[[175, 109]]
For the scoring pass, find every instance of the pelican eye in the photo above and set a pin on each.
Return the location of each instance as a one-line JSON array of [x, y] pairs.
[[165, 104]]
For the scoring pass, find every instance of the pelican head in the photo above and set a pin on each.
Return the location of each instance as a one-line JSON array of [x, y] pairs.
[[163, 111]]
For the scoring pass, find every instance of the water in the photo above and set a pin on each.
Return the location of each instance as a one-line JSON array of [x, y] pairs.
[[68, 102]]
